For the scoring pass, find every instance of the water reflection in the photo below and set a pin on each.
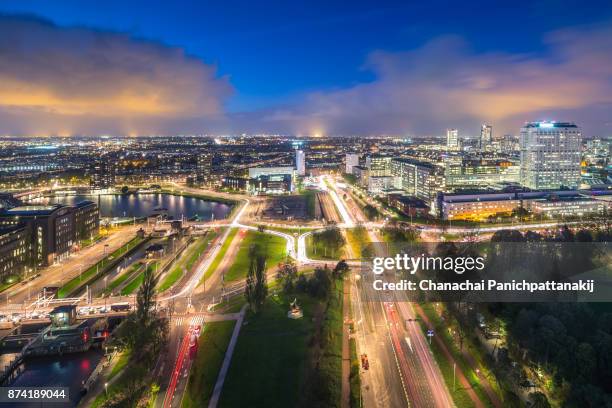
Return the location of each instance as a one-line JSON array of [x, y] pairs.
[[141, 205], [69, 370]]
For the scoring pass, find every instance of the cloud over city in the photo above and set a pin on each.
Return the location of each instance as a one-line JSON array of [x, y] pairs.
[[446, 84], [81, 80], [78, 80]]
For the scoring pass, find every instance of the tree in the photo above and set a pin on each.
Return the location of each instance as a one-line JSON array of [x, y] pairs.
[[256, 289], [287, 274], [566, 234], [584, 236], [520, 212], [145, 298], [331, 238], [340, 270], [320, 283], [538, 400], [261, 282], [507, 236], [125, 189], [249, 287], [261, 228], [370, 212]]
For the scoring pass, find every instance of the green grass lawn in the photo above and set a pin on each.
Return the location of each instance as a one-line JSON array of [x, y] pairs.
[[319, 251], [91, 272], [271, 364], [212, 345], [8, 282], [215, 263], [118, 281], [124, 357], [357, 239], [269, 361], [187, 260], [135, 284], [274, 247]]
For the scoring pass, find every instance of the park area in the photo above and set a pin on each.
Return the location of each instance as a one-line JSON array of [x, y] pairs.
[[212, 345], [274, 247], [276, 358]]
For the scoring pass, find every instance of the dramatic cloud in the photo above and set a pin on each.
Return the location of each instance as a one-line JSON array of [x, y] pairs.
[[444, 84], [78, 80], [83, 81]]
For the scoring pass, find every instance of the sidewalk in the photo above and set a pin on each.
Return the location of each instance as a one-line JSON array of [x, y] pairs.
[[214, 399], [98, 386], [486, 385]]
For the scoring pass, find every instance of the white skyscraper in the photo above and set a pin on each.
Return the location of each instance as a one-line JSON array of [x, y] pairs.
[[452, 138], [300, 162], [352, 160], [550, 155], [486, 136]]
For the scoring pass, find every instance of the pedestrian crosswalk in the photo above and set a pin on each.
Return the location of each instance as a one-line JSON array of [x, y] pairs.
[[188, 320]]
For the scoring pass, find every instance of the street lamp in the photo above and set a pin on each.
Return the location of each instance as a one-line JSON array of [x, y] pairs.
[[106, 389]]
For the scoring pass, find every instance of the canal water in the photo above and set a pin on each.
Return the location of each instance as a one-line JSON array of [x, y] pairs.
[[142, 205], [68, 371]]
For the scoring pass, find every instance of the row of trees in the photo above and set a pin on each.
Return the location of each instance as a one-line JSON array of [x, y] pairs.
[[570, 341], [317, 285], [144, 334], [330, 241], [599, 233]]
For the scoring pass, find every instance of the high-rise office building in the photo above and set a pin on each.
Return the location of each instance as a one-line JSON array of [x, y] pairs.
[[420, 179], [204, 169], [352, 160], [378, 165], [486, 136], [452, 138], [550, 155], [103, 173], [300, 162]]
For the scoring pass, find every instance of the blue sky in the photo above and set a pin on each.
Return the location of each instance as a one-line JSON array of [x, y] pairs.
[[278, 56]]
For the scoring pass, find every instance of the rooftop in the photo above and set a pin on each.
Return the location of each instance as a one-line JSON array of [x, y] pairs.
[[29, 210], [548, 125]]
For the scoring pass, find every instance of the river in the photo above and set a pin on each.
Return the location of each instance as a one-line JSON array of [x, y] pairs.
[[142, 205], [67, 371]]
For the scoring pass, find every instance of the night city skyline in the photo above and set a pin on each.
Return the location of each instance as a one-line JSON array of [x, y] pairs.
[[315, 204]]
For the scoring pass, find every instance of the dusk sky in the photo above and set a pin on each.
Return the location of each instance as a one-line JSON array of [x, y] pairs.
[[334, 68]]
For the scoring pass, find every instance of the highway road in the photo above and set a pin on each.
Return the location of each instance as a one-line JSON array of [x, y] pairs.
[[403, 371]]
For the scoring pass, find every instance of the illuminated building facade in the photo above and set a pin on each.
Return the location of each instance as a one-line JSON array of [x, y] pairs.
[[486, 136], [54, 230], [480, 173], [103, 174], [420, 179], [15, 251], [379, 166], [452, 139], [351, 160], [300, 162], [550, 155]]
